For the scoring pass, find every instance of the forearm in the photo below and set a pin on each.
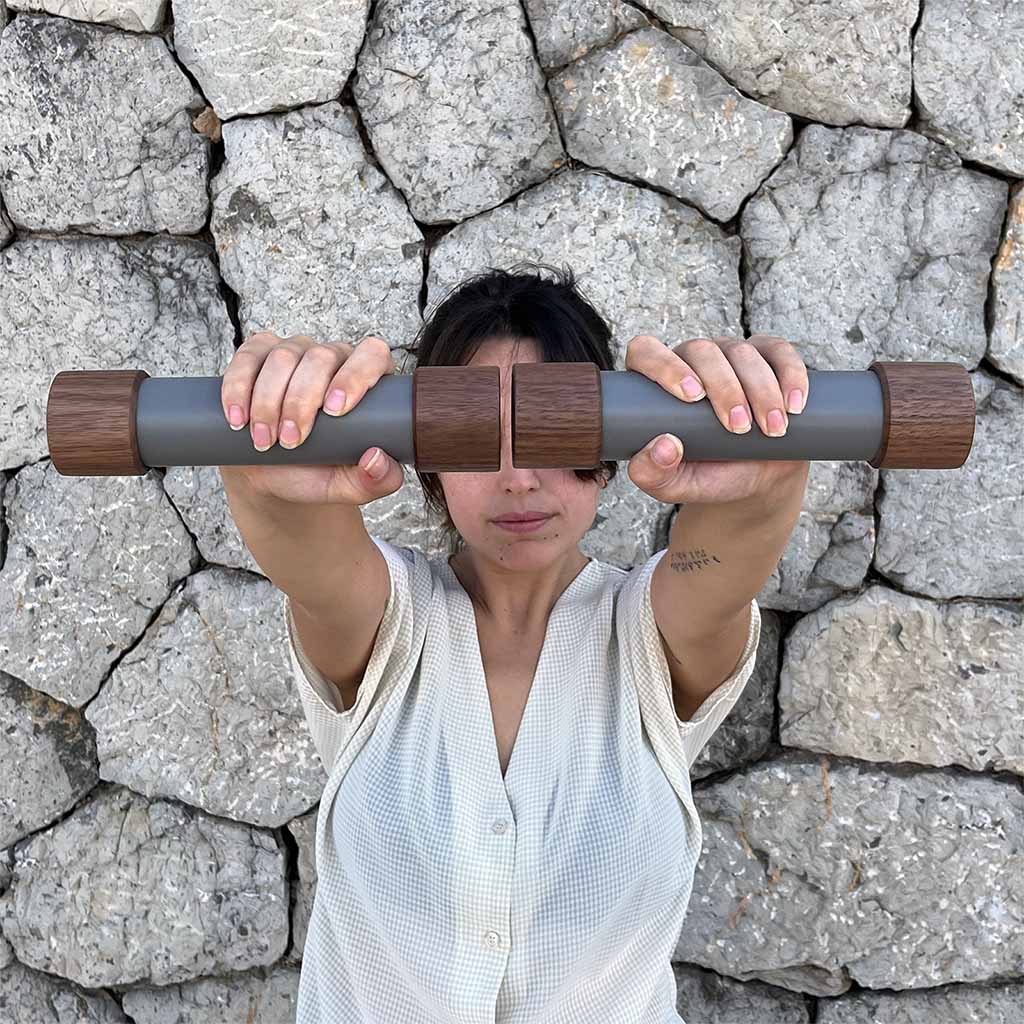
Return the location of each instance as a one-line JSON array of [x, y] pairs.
[[730, 551], [303, 549]]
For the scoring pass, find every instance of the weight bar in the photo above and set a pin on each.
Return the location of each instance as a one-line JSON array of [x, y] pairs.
[[565, 415]]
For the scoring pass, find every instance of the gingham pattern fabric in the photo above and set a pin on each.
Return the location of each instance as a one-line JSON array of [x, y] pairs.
[[447, 894]]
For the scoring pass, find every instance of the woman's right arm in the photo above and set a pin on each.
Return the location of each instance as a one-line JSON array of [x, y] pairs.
[[303, 523], [334, 576]]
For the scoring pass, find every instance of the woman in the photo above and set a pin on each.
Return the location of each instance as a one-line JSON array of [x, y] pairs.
[[507, 832]]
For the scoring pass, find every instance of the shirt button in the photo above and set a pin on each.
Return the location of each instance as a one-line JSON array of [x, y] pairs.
[[499, 826], [492, 939]]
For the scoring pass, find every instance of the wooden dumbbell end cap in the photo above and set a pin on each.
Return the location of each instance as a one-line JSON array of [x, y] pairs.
[[456, 415], [556, 415], [91, 422], [928, 415]]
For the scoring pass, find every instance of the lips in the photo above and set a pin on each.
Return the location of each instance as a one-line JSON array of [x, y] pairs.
[[523, 517]]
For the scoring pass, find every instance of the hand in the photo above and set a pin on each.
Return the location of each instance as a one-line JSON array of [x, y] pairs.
[[754, 373]]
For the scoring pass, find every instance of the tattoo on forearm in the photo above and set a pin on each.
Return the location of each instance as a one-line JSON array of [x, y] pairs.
[[689, 561]]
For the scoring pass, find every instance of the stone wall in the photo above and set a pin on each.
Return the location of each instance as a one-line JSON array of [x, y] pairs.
[[847, 175]]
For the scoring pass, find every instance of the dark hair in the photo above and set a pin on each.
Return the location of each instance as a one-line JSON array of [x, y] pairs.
[[517, 304]]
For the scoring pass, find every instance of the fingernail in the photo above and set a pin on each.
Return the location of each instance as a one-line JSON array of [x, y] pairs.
[[667, 449], [236, 419], [261, 436], [376, 467], [692, 387], [796, 401], [738, 419], [289, 434], [776, 423], [335, 402]]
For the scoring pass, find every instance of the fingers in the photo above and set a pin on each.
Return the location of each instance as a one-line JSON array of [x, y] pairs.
[[278, 385], [369, 362], [744, 379]]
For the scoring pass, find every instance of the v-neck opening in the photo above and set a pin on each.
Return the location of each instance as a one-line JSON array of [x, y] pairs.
[[468, 609]]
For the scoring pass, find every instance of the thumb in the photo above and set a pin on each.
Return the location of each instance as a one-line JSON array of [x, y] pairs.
[[664, 451], [375, 465]]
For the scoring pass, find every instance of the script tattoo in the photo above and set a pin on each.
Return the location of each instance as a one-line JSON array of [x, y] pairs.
[[688, 561]]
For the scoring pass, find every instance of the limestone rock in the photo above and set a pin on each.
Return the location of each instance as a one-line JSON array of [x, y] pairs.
[[310, 235], [89, 560], [133, 15], [96, 131], [969, 79], [253, 57], [957, 533], [649, 108], [567, 29], [127, 890], [95, 303], [55, 754], [204, 708], [886, 676], [845, 61], [1006, 340], [455, 105], [868, 244], [813, 875]]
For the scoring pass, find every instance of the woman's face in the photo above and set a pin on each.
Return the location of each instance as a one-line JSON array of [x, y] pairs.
[[475, 500]]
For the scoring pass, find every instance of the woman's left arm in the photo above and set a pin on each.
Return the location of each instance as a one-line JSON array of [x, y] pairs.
[[737, 516], [719, 558]]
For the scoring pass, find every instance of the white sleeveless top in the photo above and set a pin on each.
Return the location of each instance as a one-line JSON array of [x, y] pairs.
[[449, 895]]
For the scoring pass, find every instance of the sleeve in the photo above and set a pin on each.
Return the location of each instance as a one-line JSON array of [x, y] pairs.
[[641, 646], [396, 651]]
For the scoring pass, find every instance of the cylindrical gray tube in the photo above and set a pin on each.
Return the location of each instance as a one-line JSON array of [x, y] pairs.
[[842, 421], [180, 422]]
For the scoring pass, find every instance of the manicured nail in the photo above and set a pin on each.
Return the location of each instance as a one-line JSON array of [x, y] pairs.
[[776, 423], [261, 436], [237, 420], [667, 450], [796, 401], [692, 387], [289, 434], [335, 402], [738, 419]]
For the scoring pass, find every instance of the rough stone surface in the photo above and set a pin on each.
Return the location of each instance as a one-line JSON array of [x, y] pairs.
[[885, 676], [832, 544], [815, 874], [838, 62], [746, 733], [651, 109], [303, 831], [991, 1003], [85, 303], [869, 244], [89, 560], [251, 57], [225, 730], [565, 30], [957, 533], [34, 997], [969, 79], [134, 15], [55, 754], [707, 997], [197, 492], [311, 236], [650, 264], [1006, 339], [96, 131], [259, 996], [455, 105], [127, 889]]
